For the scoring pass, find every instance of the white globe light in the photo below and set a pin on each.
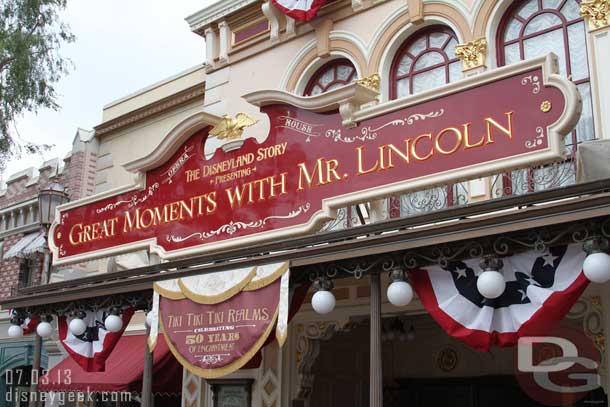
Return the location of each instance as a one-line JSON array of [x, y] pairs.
[[15, 331], [597, 267], [44, 329], [77, 326], [400, 293], [491, 284], [113, 323], [323, 302]]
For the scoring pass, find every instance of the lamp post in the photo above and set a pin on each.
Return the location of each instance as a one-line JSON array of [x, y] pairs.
[[48, 200]]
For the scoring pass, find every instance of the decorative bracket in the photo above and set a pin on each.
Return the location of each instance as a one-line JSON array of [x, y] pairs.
[[472, 54], [596, 12], [348, 99]]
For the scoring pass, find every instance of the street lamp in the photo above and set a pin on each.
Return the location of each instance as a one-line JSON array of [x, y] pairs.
[[48, 200]]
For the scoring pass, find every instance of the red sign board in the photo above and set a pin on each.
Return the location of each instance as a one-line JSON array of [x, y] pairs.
[[311, 164], [215, 340]]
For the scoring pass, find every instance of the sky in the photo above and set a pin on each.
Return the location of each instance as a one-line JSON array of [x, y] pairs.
[[121, 46]]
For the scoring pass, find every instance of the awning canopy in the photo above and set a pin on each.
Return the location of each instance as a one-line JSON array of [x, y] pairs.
[[28, 245], [124, 369]]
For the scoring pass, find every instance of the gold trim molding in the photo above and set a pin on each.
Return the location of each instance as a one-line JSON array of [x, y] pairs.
[[596, 12], [472, 54]]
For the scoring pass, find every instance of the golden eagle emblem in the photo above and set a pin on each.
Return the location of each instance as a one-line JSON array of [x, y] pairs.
[[232, 128]]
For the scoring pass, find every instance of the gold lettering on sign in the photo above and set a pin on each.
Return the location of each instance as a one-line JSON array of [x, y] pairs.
[[325, 170], [415, 144], [142, 219], [448, 141], [492, 124], [257, 190], [458, 140], [80, 233], [411, 150]]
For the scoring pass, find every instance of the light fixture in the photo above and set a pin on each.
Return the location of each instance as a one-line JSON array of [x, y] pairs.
[[48, 200], [491, 283], [394, 329], [597, 263], [411, 333], [77, 325], [399, 291], [323, 301], [44, 329], [113, 322], [15, 331]]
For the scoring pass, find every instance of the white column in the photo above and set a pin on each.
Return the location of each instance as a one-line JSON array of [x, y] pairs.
[[225, 42], [210, 46], [599, 43]]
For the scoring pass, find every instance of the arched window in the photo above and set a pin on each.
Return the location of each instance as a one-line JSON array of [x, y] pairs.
[[425, 61], [532, 28], [333, 75]]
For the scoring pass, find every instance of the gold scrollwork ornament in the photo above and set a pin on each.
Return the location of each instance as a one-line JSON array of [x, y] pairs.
[[472, 54], [372, 82], [596, 12]]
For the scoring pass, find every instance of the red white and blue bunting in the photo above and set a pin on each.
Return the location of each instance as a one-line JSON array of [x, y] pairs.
[[301, 10], [91, 349], [540, 290]]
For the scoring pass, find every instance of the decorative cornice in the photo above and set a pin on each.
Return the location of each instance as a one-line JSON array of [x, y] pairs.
[[178, 99], [215, 12], [171, 143], [596, 12], [472, 54]]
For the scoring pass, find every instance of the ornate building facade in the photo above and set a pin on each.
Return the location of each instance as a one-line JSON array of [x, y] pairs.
[[398, 50]]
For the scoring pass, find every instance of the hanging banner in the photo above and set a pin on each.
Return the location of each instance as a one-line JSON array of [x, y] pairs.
[[301, 10], [215, 340], [321, 153], [540, 290], [215, 323]]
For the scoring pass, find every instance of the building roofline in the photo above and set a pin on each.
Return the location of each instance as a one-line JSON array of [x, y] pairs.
[[214, 12], [154, 86]]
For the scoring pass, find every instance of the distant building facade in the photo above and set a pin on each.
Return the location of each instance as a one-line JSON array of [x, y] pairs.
[[22, 242]]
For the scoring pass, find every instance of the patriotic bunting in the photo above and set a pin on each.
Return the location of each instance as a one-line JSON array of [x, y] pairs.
[[301, 10], [540, 290], [29, 325], [91, 349]]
